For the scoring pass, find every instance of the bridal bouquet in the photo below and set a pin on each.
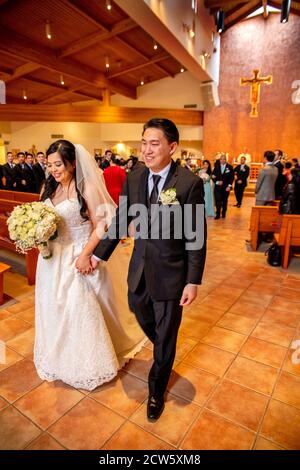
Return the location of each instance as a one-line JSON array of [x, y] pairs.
[[32, 225]]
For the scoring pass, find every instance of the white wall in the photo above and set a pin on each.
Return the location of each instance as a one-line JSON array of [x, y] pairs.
[[24, 135], [172, 93], [173, 13]]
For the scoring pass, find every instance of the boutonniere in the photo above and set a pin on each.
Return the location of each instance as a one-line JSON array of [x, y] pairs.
[[168, 196], [227, 170]]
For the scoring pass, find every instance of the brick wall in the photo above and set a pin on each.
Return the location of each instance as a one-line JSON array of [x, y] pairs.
[[274, 48]]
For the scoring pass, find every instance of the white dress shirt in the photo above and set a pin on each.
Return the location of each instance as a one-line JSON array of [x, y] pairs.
[[163, 176]]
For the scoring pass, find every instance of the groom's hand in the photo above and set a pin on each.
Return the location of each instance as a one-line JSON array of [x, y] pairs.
[[189, 294]]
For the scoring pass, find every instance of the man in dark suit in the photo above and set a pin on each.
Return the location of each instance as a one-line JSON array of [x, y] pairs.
[[106, 160], [164, 271], [24, 174], [281, 180], [241, 174], [8, 171], [222, 176], [1, 176], [39, 171]]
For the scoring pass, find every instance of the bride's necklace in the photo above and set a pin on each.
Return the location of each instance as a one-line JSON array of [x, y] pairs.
[[66, 189]]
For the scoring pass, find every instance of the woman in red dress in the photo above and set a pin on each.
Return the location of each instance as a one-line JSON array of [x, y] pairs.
[[114, 177]]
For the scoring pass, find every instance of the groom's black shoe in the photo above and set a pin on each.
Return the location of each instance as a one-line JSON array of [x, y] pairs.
[[155, 407]]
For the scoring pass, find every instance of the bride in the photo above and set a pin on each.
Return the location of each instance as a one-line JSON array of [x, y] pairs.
[[84, 330]]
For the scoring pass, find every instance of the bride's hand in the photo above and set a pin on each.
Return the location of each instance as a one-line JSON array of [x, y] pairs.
[[83, 264]]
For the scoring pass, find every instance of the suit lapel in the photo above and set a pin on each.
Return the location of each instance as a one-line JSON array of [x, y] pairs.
[[143, 187], [172, 177]]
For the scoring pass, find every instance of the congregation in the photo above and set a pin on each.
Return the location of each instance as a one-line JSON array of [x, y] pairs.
[[278, 180]]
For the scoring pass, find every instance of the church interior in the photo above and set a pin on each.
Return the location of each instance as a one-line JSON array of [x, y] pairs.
[[227, 73]]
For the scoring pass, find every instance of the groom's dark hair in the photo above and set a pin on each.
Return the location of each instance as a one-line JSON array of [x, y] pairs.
[[168, 127]]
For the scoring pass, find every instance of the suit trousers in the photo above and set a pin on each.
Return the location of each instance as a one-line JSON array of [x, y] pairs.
[[160, 321], [221, 200], [239, 192]]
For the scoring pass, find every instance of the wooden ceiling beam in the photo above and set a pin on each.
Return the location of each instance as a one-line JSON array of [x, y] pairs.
[[133, 68], [278, 5], [122, 42], [91, 39], [19, 46], [65, 89], [107, 114], [233, 10], [18, 101], [48, 99], [219, 4], [158, 67], [6, 74], [254, 5], [80, 11], [22, 70]]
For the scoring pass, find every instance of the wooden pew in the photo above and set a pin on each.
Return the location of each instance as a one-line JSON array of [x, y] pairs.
[[288, 236], [31, 256], [18, 196], [263, 219], [6, 207], [3, 268]]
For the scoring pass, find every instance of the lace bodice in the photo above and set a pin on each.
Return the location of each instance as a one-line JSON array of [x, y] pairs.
[[72, 227]]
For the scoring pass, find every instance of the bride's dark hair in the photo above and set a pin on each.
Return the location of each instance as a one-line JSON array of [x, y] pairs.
[[67, 152]]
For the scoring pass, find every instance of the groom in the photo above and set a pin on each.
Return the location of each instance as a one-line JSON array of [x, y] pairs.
[[164, 271]]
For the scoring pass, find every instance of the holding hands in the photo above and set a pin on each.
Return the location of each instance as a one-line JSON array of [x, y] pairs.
[[86, 264]]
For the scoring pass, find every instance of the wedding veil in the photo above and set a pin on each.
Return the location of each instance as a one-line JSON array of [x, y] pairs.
[[91, 185]]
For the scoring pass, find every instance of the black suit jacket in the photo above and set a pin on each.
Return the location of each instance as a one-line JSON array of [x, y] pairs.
[[26, 174], [9, 174], [242, 174], [281, 180], [1, 176], [168, 265], [227, 177], [39, 176]]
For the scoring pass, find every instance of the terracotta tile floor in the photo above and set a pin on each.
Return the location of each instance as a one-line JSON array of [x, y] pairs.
[[235, 383]]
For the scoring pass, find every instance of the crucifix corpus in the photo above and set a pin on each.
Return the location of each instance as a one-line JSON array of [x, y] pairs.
[[255, 84]]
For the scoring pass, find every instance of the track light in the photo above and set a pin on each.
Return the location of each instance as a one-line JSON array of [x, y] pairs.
[[219, 19], [285, 11], [155, 45], [48, 29], [142, 82], [107, 64], [108, 5], [24, 95], [62, 81], [191, 33], [182, 70], [206, 55], [189, 29]]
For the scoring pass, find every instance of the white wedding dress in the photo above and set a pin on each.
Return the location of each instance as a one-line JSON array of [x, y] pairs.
[[84, 330]]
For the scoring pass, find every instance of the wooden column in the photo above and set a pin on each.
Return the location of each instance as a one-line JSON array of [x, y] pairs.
[[106, 97]]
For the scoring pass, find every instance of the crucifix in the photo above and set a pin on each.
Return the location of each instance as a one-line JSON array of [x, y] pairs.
[[255, 84]]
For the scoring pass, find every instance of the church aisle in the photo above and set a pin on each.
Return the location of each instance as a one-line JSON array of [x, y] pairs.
[[235, 383]]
